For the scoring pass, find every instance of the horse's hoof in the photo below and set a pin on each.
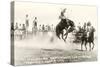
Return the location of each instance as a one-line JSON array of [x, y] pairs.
[[92, 48], [65, 41]]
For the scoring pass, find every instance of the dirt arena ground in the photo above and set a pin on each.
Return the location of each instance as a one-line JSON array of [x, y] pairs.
[[46, 49]]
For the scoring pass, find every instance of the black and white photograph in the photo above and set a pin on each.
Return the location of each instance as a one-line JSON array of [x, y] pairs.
[[48, 33]]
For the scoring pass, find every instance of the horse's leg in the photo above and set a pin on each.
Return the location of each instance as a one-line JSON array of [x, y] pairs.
[[66, 36], [82, 45], [63, 37], [85, 45], [93, 45], [66, 31], [62, 34], [90, 45], [64, 40], [58, 35]]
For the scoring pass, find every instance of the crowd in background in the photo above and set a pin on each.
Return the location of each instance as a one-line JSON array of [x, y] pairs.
[[22, 29]]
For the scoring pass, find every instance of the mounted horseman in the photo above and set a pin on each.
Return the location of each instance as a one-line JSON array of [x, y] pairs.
[[88, 36], [66, 24]]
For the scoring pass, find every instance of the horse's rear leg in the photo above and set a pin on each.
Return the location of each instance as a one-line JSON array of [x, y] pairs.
[[90, 46], [82, 45], [62, 35], [86, 46], [58, 35], [93, 45], [65, 38]]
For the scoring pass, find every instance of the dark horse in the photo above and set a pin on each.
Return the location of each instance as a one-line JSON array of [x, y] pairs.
[[89, 39], [64, 25]]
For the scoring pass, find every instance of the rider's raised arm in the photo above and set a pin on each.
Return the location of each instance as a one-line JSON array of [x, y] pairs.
[[62, 16]]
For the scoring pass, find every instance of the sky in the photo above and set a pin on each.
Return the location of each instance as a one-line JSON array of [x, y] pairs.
[[49, 13]]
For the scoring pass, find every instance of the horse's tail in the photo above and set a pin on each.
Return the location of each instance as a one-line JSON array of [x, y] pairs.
[[57, 31]]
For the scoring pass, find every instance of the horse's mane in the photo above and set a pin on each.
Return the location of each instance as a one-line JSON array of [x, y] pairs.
[[70, 22]]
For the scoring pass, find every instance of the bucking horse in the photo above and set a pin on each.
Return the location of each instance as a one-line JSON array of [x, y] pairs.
[[64, 25]]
